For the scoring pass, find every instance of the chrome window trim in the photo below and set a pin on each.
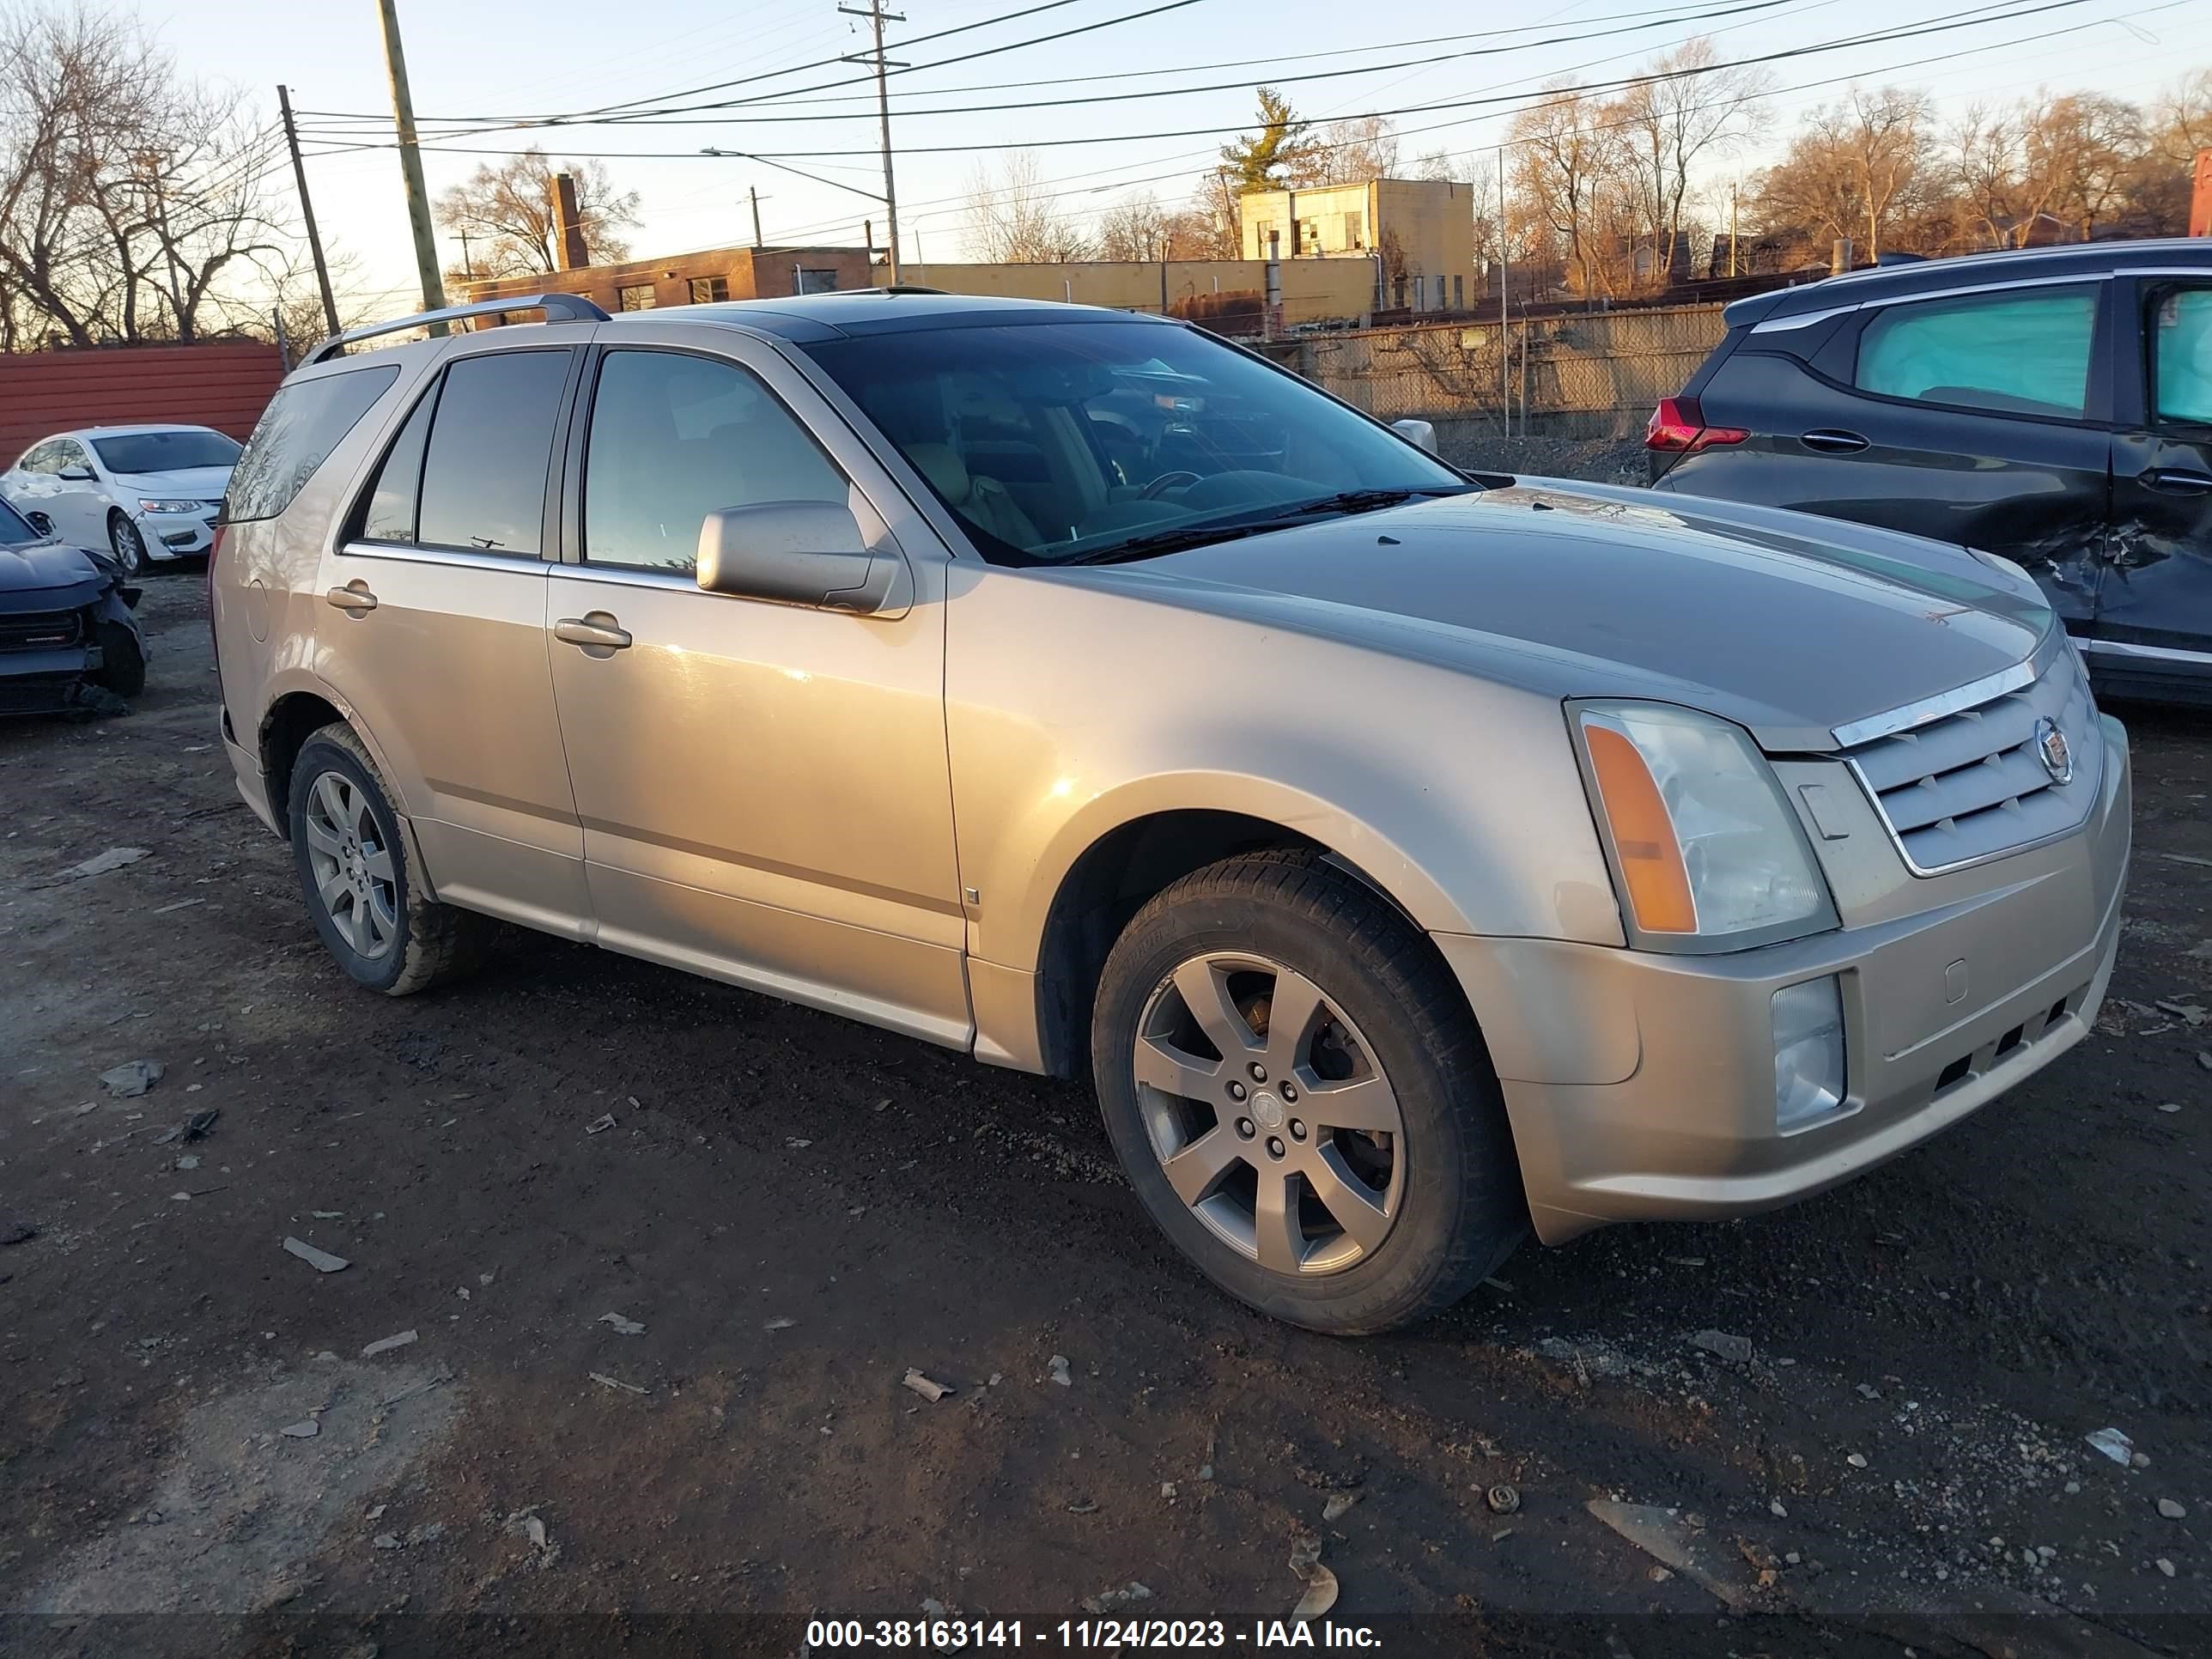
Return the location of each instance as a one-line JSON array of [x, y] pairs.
[[632, 576], [2153, 652], [1775, 324], [466, 559]]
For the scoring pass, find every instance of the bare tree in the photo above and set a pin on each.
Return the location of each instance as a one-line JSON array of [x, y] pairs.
[[2077, 150], [1671, 127], [1566, 163], [1012, 219], [504, 217], [1135, 227], [1349, 152], [1860, 168]]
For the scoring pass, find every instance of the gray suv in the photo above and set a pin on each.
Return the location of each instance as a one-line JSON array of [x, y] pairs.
[[1408, 860]]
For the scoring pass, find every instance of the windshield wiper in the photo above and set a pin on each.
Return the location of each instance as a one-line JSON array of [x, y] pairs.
[[1170, 541], [1367, 501]]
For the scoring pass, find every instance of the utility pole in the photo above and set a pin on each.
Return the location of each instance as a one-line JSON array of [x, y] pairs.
[[752, 195], [308, 212], [1505, 345], [410, 166], [877, 17], [1731, 230]]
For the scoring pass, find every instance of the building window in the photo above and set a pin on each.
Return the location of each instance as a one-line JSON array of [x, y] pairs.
[[1355, 230], [638, 297], [817, 282], [1308, 237], [705, 290], [1459, 294], [1261, 230]]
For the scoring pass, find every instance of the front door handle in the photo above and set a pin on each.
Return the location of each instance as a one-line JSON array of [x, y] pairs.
[[2173, 481], [596, 631], [353, 599], [1832, 442]]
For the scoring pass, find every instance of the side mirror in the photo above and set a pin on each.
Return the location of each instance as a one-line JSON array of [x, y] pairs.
[[41, 523], [1419, 433], [795, 553], [75, 475]]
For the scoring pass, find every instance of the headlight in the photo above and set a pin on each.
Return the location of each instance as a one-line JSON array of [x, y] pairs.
[[1703, 843], [172, 507]]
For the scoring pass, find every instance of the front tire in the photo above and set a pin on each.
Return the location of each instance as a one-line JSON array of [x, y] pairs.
[[1301, 1099], [128, 546], [122, 659], [354, 873]]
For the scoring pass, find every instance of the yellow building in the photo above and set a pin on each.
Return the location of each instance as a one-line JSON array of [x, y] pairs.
[[1317, 291], [1418, 234]]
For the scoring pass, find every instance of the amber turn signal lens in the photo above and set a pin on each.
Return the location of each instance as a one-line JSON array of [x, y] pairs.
[[1642, 835]]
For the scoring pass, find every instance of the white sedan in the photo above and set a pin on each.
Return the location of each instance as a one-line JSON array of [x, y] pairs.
[[146, 492]]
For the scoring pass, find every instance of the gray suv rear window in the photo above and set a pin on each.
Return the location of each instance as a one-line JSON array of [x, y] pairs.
[[303, 423]]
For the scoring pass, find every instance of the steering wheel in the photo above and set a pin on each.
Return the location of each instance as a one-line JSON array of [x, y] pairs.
[[1165, 481]]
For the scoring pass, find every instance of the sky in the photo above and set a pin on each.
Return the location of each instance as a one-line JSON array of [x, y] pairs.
[[503, 59]]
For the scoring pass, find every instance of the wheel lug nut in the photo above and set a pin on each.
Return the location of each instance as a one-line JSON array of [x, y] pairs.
[[1236, 1089], [1274, 1147], [1297, 1129], [1259, 1072], [1244, 1127], [1289, 1092]]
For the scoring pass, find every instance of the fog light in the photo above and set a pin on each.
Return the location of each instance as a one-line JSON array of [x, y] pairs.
[[1808, 1052]]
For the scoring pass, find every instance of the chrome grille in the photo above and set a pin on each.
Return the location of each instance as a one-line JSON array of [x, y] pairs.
[[1971, 784]]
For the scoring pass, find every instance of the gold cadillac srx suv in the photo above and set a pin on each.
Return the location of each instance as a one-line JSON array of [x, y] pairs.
[[1409, 858]]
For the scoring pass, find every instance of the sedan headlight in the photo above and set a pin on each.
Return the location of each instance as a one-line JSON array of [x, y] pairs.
[[1703, 845], [172, 506]]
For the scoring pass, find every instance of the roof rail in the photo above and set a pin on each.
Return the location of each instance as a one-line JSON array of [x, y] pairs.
[[557, 307]]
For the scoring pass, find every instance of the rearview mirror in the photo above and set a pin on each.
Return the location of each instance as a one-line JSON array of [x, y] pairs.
[[795, 553], [1419, 433], [76, 474]]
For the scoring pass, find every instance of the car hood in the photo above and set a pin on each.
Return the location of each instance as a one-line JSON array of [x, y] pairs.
[[47, 576], [197, 484], [1790, 625]]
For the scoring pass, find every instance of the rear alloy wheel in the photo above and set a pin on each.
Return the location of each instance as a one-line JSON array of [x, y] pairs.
[[1292, 1079], [354, 873], [129, 547]]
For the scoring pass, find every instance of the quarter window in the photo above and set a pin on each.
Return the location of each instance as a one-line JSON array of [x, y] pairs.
[[389, 513], [674, 437], [2024, 352], [303, 423], [491, 442], [2181, 357]]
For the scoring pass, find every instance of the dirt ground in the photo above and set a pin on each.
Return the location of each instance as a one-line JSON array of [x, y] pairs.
[[196, 1455]]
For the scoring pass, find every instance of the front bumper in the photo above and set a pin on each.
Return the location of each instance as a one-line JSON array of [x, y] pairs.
[[45, 682], [1641, 1086], [176, 535]]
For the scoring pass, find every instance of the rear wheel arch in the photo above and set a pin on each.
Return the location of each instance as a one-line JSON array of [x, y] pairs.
[[286, 725], [1115, 877]]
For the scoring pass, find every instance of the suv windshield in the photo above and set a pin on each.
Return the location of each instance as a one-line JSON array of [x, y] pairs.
[[165, 452], [1073, 442]]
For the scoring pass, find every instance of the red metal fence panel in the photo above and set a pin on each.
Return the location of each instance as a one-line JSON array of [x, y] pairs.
[[224, 386]]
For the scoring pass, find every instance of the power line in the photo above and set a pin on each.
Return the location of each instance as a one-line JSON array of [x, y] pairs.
[[1947, 23]]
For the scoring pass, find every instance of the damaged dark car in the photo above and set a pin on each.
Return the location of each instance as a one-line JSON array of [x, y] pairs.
[[2048, 406], [69, 641]]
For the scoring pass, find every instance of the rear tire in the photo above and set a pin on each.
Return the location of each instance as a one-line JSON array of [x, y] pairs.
[[122, 659], [362, 892], [1400, 1190]]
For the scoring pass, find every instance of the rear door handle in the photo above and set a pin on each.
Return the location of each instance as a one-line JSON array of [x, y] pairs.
[[1832, 442], [2175, 481], [596, 632], [354, 597]]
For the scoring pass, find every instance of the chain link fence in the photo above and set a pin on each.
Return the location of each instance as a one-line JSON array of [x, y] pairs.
[[1582, 377]]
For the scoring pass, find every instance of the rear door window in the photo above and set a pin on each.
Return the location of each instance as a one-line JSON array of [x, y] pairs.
[[2022, 352], [303, 423], [2181, 357], [491, 445]]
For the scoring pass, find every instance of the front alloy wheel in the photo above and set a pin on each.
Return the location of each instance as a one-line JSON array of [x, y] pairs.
[[354, 878], [1269, 1113], [129, 547], [1293, 1083]]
